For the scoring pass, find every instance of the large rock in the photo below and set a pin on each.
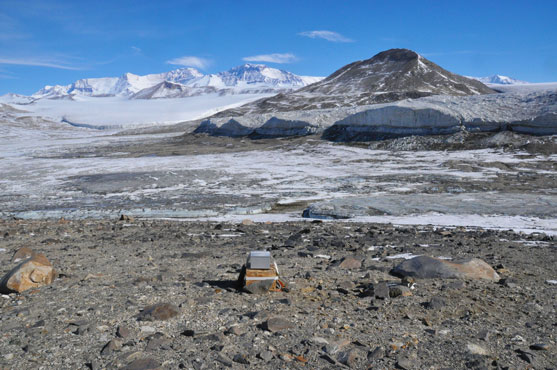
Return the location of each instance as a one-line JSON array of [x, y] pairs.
[[274, 324], [33, 272], [429, 268], [22, 254]]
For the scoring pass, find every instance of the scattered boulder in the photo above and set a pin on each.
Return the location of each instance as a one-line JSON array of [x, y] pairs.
[[241, 359], [266, 356], [112, 346], [123, 331], [540, 347], [274, 324], [381, 290], [425, 267], [376, 354], [159, 311], [33, 272], [436, 303], [350, 263], [22, 253], [399, 291]]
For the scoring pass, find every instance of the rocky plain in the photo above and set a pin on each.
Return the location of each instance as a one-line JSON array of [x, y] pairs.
[[412, 234], [162, 294]]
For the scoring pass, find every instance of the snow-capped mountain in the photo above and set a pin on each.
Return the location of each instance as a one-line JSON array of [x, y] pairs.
[[391, 75], [499, 80], [11, 98], [183, 82]]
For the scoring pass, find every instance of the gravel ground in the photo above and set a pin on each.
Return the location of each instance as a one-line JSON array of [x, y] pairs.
[[97, 313]]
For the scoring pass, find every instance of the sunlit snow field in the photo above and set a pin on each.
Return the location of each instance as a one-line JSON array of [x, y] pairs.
[[121, 112]]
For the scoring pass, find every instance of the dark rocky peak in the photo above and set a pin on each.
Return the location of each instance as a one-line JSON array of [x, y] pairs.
[[395, 55]]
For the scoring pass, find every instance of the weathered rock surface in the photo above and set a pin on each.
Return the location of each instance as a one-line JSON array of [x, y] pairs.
[[333, 318], [22, 253], [425, 267], [34, 272]]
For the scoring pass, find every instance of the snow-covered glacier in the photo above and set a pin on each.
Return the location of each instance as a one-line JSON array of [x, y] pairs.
[[532, 110]]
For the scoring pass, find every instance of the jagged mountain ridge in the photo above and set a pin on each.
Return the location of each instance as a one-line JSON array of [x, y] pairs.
[[391, 75], [183, 82]]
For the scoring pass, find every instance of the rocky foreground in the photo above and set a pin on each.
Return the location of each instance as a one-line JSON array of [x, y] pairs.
[[140, 294]]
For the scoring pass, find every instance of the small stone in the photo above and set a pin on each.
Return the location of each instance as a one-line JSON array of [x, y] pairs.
[[188, 333], [319, 340], [224, 360], [247, 222], [525, 356], [345, 287], [381, 290], [112, 346], [518, 339], [509, 283], [333, 347], [235, 330], [241, 359], [156, 342], [266, 356], [329, 359], [399, 291], [405, 363], [275, 324], [484, 335], [212, 337], [436, 303], [376, 354], [147, 329], [475, 349], [350, 357], [123, 331], [34, 272], [159, 311], [540, 347], [143, 364], [350, 263]]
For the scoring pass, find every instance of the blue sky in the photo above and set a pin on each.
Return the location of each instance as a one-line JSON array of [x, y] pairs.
[[56, 42]]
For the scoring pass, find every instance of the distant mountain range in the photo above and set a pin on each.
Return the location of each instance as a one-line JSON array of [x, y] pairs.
[[183, 82], [499, 80]]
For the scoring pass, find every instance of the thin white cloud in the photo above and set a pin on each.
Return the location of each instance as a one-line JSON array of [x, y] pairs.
[[136, 50], [326, 35], [272, 58], [39, 62], [190, 61]]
